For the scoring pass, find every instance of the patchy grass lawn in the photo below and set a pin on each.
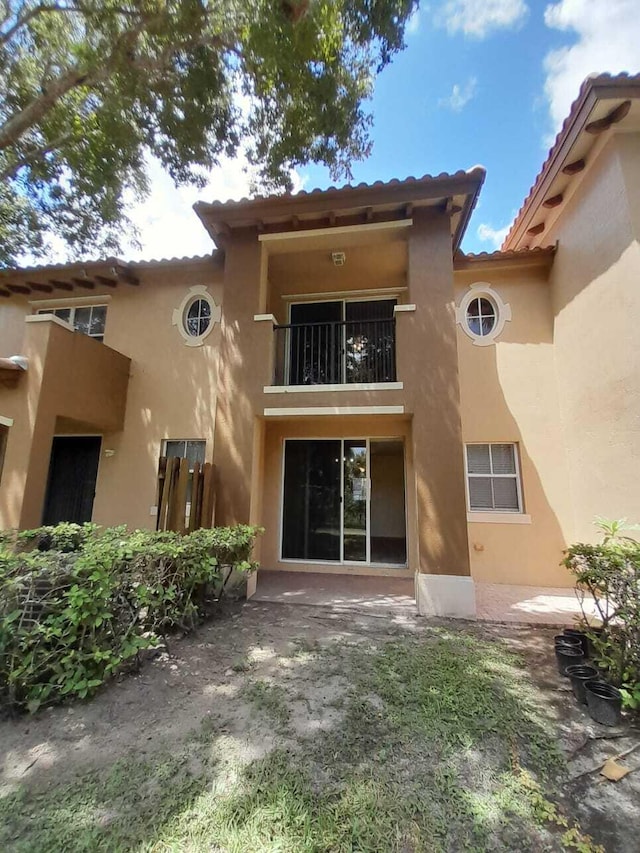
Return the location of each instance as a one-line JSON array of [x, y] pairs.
[[427, 741]]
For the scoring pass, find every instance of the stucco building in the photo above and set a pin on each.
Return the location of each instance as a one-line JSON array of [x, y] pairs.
[[380, 402]]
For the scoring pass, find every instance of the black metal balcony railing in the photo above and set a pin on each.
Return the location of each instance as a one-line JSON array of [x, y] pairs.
[[338, 352]]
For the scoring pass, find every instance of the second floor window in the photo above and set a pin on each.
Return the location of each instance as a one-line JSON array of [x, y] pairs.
[[87, 319]]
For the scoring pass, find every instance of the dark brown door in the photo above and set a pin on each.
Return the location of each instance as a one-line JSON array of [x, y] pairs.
[[73, 471]]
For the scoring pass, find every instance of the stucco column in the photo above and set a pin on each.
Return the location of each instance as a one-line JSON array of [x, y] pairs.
[[26, 465], [243, 371], [428, 366]]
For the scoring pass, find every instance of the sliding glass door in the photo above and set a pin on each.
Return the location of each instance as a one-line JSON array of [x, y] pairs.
[[343, 501]]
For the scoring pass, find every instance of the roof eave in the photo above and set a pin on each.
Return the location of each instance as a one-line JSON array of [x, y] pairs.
[[594, 89]]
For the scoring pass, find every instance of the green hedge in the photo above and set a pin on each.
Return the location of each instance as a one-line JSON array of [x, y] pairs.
[[78, 603]]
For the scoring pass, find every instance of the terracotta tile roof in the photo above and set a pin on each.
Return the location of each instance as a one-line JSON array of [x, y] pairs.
[[501, 254], [594, 81], [106, 262], [476, 171]]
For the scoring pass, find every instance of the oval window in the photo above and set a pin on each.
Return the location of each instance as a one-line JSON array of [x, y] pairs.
[[481, 316], [197, 317]]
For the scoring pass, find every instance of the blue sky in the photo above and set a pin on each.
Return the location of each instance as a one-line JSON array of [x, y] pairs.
[[481, 82]]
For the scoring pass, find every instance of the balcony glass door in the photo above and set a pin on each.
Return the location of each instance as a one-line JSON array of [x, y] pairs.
[[337, 342], [370, 341], [343, 501], [311, 524], [315, 343]]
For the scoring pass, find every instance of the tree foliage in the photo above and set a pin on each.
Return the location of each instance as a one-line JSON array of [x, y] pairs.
[[90, 89]]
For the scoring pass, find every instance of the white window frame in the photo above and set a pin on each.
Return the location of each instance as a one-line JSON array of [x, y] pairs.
[[51, 309], [483, 290], [474, 514], [185, 441], [179, 317]]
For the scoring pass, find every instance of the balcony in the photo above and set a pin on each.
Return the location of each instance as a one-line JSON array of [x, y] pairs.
[[335, 353]]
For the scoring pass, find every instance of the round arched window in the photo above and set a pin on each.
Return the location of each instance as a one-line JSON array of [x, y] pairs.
[[482, 314], [196, 316]]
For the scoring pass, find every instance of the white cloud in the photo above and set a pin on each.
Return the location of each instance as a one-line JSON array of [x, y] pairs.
[[494, 236], [479, 18], [413, 24], [608, 39], [460, 95], [166, 222]]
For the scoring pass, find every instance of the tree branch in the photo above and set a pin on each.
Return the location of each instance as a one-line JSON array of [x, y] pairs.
[[34, 112], [34, 154], [36, 11]]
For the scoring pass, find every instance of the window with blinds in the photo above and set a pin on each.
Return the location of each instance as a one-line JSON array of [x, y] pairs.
[[493, 478]]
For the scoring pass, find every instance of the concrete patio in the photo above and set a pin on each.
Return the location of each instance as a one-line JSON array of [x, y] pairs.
[[395, 596]]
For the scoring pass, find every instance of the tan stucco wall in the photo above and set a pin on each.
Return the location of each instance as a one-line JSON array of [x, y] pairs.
[[172, 390], [596, 301], [509, 394], [69, 376], [12, 313], [171, 393], [427, 366]]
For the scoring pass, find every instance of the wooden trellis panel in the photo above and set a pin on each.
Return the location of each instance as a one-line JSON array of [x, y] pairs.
[[176, 484]]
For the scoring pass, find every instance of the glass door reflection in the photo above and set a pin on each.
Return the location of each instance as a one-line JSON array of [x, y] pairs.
[[355, 504]]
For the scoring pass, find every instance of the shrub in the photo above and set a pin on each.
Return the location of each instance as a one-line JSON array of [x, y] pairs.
[[64, 537], [609, 573], [82, 606]]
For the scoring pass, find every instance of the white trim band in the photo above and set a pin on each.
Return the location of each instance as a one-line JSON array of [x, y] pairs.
[[336, 231], [350, 386], [332, 295], [260, 318], [48, 318], [401, 309], [498, 518], [71, 302], [333, 410], [8, 422]]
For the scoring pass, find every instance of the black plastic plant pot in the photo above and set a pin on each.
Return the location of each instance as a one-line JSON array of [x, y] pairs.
[[576, 633], [578, 674], [567, 656], [604, 702], [566, 640]]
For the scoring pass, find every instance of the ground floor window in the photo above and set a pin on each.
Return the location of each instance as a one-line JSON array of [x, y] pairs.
[[185, 448], [344, 501], [493, 478]]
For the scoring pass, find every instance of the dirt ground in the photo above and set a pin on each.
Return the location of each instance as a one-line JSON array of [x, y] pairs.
[[197, 682]]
